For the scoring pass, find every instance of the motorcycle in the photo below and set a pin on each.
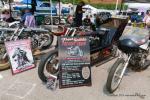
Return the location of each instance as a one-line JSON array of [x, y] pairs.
[[100, 52], [134, 50], [4, 61], [40, 39], [50, 63]]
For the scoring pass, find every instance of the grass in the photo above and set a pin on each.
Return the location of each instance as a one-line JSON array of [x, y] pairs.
[[108, 6]]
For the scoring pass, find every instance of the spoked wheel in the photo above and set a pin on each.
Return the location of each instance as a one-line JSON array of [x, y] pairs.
[[4, 63], [56, 21], [115, 75], [47, 20], [49, 66]]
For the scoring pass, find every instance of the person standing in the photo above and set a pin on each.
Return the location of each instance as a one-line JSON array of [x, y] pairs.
[[87, 21], [33, 4], [146, 19], [28, 18], [79, 14], [27, 12]]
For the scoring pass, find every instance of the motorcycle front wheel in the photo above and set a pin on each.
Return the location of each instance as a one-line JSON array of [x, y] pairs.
[[49, 66], [4, 63], [114, 76]]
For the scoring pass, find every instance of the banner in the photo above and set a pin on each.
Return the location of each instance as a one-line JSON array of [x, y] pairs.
[[20, 55]]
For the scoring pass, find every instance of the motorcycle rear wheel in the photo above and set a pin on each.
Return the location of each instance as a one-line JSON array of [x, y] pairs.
[[114, 77], [49, 66], [4, 63]]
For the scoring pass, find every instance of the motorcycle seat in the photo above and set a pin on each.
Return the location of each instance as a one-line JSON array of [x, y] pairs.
[[60, 30], [56, 30]]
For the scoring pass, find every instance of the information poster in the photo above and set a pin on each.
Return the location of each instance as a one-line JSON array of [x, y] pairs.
[[20, 55], [74, 57]]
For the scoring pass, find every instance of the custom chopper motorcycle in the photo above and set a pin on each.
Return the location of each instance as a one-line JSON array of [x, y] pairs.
[[134, 47], [102, 47], [40, 39]]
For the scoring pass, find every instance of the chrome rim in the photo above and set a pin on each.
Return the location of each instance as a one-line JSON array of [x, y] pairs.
[[56, 21], [117, 76], [47, 20], [51, 66]]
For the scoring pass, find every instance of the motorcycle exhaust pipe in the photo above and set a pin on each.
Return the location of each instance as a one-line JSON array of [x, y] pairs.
[[4, 56], [42, 45]]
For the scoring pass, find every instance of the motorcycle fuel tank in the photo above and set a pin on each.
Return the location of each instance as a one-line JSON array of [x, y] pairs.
[[128, 46]]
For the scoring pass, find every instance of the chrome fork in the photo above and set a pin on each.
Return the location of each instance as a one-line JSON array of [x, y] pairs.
[[126, 64]]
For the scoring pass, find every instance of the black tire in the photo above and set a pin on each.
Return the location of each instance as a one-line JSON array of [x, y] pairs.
[[4, 63], [56, 21], [47, 20], [111, 75], [42, 66]]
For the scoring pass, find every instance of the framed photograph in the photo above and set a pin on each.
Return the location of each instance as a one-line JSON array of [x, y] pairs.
[[20, 55]]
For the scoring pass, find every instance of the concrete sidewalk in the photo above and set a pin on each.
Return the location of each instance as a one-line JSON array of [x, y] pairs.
[[27, 86]]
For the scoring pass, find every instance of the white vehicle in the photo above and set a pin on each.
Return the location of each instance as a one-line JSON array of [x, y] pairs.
[[1, 4], [89, 10], [141, 7]]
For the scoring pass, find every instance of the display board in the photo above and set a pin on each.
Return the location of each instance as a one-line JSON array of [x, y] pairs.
[[74, 57], [20, 55]]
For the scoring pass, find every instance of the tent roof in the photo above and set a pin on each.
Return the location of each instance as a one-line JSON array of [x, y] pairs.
[[26, 1]]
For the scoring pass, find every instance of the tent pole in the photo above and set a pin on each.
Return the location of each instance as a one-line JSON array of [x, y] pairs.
[[121, 5], [51, 14], [116, 6], [59, 11], [73, 9], [10, 9], [27, 3]]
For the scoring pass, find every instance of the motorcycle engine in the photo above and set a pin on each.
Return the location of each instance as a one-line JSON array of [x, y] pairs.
[[138, 59]]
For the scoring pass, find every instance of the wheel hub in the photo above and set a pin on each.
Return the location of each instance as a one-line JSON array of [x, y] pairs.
[[52, 66]]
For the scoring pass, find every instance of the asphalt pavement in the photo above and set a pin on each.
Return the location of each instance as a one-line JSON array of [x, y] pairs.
[[28, 86]]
